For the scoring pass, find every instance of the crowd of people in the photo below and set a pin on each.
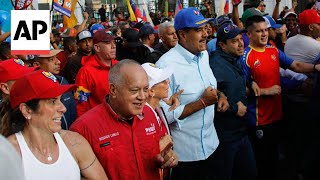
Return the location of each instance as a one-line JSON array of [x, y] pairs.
[[191, 97]]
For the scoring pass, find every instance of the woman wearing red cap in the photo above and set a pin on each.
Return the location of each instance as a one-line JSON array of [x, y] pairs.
[[34, 126]]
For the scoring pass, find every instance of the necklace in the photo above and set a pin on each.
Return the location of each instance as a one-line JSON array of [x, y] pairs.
[[49, 157]]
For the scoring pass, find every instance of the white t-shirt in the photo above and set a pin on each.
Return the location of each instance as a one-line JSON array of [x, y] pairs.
[[65, 168], [10, 162], [302, 48]]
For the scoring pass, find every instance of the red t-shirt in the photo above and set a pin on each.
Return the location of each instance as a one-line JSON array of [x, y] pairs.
[[125, 151], [263, 67]]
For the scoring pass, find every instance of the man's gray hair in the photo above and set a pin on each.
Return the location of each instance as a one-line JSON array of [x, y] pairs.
[[163, 26], [115, 76]]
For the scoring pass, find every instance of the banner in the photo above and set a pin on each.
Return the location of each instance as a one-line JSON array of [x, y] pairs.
[[166, 7], [145, 9], [132, 15], [72, 21], [226, 8], [21, 4], [63, 7], [178, 7], [135, 9]]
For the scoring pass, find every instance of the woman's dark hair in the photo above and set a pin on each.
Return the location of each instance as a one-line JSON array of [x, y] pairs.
[[5, 51], [13, 121], [309, 5]]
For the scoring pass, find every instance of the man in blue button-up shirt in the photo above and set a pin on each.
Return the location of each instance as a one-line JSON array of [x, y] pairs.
[[191, 123]]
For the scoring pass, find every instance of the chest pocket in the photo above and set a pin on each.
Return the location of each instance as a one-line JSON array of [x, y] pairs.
[[110, 151]]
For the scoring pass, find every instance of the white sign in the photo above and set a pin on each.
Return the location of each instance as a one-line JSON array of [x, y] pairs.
[[30, 32]]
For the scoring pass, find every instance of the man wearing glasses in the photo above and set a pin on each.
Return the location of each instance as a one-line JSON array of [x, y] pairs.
[[262, 6]]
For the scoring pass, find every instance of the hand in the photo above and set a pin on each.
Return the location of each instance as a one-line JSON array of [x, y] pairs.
[[236, 2], [278, 1], [85, 15], [173, 101], [168, 160], [209, 96], [274, 90], [167, 157], [223, 104], [281, 30], [255, 88], [242, 109]]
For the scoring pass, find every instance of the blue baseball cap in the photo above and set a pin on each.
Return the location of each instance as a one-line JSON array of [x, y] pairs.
[[146, 29], [271, 23], [190, 18], [222, 20], [95, 28], [228, 31]]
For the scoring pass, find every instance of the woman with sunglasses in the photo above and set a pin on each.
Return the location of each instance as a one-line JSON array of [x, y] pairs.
[[34, 126]]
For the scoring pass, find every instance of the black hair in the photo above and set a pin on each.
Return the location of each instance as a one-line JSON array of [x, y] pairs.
[[5, 51], [309, 5], [13, 120], [253, 19], [184, 29], [67, 41]]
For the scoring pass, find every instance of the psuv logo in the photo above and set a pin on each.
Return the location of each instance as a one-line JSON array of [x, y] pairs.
[[30, 30]]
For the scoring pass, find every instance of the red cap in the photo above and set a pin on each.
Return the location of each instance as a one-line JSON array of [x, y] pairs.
[[309, 16], [37, 85], [13, 69], [102, 35]]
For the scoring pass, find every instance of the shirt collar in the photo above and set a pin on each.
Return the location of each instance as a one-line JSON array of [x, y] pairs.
[[188, 56], [150, 48], [258, 49], [116, 116]]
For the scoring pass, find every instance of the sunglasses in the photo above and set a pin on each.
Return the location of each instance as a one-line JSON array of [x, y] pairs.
[[263, 5]]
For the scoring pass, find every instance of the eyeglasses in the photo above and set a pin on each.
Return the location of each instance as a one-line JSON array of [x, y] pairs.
[[263, 5]]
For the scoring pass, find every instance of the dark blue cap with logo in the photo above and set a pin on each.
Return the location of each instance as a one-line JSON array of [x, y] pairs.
[[223, 19], [190, 18], [228, 31], [146, 29]]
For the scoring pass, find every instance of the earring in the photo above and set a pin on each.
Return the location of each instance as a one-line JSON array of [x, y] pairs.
[[28, 117]]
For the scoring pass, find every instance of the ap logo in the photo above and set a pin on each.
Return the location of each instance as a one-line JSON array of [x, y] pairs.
[[30, 32]]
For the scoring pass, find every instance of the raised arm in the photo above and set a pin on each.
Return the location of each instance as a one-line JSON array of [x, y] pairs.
[[276, 10], [235, 14], [4, 36], [84, 22]]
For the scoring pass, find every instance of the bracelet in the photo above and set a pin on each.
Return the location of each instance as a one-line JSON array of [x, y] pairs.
[[52, 42], [204, 104]]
